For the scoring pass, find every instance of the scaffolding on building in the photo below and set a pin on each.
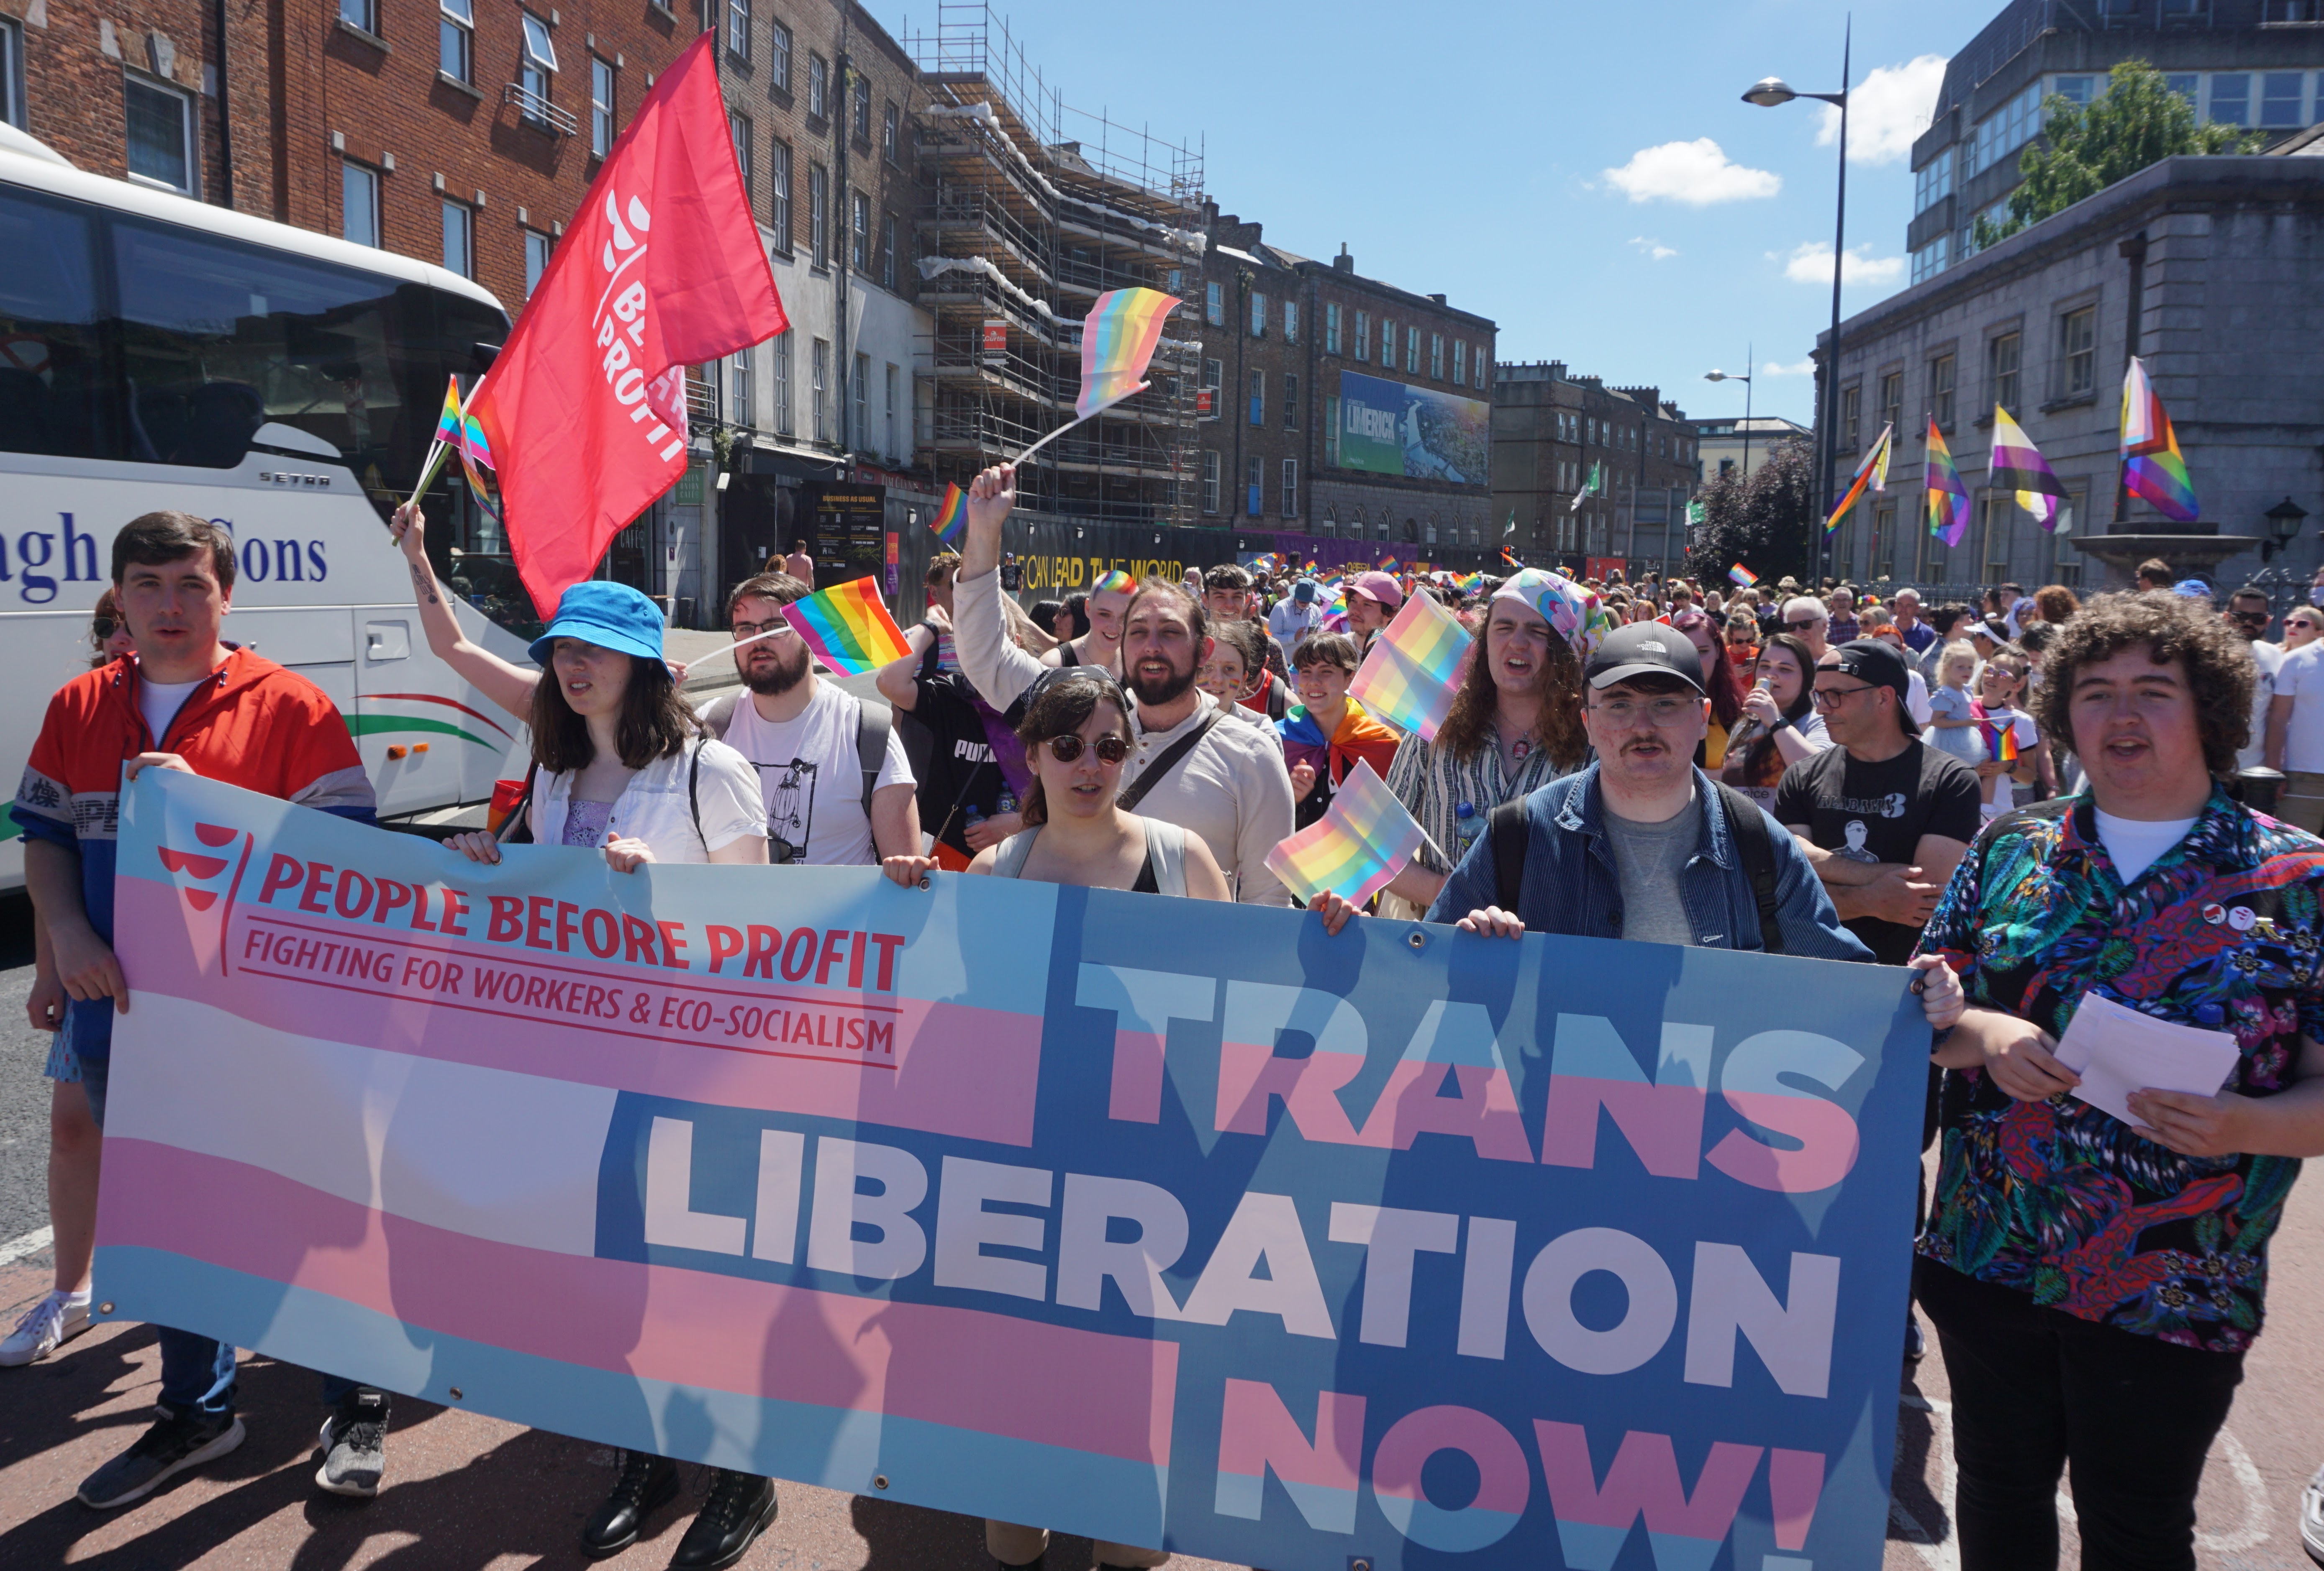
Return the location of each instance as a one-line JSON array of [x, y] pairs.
[[1030, 210]]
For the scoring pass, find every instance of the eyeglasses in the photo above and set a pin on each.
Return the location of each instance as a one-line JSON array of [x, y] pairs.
[[1109, 748], [753, 629], [1660, 713], [1811, 622], [2250, 618], [103, 628], [1833, 697]]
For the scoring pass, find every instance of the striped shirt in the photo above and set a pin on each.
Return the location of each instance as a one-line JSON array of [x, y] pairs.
[[1434, 784]]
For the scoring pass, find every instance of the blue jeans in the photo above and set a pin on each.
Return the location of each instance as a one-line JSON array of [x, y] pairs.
[[197, 1373]]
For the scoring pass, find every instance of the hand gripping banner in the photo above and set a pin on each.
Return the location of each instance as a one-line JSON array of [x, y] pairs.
[[1172, 1223]]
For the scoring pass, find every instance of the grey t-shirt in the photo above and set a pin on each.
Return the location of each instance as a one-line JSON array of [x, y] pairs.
[[1650, 857]]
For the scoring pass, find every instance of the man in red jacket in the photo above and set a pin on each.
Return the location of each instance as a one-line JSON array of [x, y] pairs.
[[186, 701]]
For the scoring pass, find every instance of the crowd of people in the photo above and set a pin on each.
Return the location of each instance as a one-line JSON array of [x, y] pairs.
[[2019, 800]]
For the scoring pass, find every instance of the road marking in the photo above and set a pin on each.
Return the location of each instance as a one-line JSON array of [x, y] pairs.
[[31, 1243]]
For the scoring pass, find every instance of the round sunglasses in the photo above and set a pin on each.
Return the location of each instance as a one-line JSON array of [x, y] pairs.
[[1067, 747]]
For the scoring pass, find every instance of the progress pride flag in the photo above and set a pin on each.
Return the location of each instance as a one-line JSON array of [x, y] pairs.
[[660, 268]]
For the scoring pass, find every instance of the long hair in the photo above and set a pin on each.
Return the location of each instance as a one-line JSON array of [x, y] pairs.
[[1557, 728], [1723, 687], [1064, 704], [654, 722], [1755, 756]]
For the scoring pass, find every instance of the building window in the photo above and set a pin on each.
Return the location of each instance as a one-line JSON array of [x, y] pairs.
[[2279, 98], [1209, 482], [539, 65], [861, 436], [1215, 310], [12, 73], [1259, 398], [1258, 315], [1941, 391], [358, 204], [1331, 432], [1483, 362], [738, 379], [1213, 380], [537, 249], [1932, 182], [1933, 258], [818, 216], [889, 447], [2078, 342], [820, 390], [456, 26], [2001, 358], [1460, 362], [1412, 352], [2006, 129], [863, 106], [782, 389], [859, 230], [1291, 488], [740, 127], [1255, 482], [355, 13], [1388, 344], [738, 29], [1291, 321], [779, 175], [818, 88], [1331, 329], [459, 225], [2186, 84], [1851, 421], [2078, 89], [1892, 399], [778, 57], [160, 135], [1290, 401], [888, 134], [1436, 357], [601, 107], [1363, 336], [2230, 98], [888, 251]]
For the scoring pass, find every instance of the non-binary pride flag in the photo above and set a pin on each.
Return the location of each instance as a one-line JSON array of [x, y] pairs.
[[952, 518], [1414, 669], [2151, 464], [1742, 576], [1364, 840], [1948, 496], [2017, 465], [1873, 472], [1118, 341], [848, 627]]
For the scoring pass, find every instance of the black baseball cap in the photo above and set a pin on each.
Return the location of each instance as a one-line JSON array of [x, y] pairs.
[[1645, 649], [1870, 660]]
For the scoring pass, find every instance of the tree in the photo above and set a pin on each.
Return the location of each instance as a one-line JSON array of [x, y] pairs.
[[1761, 521], [2084, 149]]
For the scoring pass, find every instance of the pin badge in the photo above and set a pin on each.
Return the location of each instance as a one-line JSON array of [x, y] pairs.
[[2214, 914], [2243, 919], [2266, 926]]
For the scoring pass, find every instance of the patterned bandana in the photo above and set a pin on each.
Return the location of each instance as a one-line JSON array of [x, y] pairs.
[[1574, 613]]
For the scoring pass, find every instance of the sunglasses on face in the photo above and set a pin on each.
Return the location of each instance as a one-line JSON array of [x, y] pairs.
[[103, 628], [2250, 618], [1109, 748], [1811, 622]]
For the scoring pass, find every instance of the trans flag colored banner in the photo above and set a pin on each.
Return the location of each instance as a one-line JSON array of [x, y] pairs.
[[1176, 1223]]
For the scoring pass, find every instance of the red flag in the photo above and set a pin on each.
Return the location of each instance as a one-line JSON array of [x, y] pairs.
[[660, 268]]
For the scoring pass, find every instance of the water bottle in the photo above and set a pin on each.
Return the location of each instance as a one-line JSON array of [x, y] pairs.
[[1007, 805], [975, 815], [1467, 825]]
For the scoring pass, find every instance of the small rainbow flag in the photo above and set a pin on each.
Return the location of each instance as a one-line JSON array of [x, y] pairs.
[[952, 518], [1948, 496], [1364, 840], [1873, 472], [1388, 562], [1413, 671], [848, 627], [447, 424], [2005, 743], [1742, 577], [1512, 558], [1114, 582], [2016, 465], [2151, 464], [1118, 342]]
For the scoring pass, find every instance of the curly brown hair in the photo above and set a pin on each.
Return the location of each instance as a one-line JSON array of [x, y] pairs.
[[2217, 661], [1556, 729]]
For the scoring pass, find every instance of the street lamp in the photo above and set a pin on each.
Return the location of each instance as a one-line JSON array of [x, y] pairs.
[[1750, 354], [2283, 521], [1767, 94]]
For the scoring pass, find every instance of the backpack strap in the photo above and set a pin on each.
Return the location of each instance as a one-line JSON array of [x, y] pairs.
[[873, 725], [718, 715], [1008, 861], [1166, 848], [1512, 837], [516, 829], [694, 793], [1758, 852]]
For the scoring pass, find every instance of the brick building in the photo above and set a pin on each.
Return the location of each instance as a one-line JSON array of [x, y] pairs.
[[1341, 407], [1551, 429]]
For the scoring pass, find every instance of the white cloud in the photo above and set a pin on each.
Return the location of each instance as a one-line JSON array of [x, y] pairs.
[[1778, 368], [1655, 249], [1811, 264], [1696, 172], [1888, 109]]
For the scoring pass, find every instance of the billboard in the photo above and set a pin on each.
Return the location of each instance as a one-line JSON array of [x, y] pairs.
[[1390, 427]]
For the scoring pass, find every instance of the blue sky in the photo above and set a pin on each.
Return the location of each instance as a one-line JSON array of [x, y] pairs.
[[1586, 175]]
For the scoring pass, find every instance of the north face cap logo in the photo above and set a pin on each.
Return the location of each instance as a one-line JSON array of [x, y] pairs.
[[1656, 645]]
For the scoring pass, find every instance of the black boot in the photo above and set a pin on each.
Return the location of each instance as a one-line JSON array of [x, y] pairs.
[[646, 1485], [739, 1508]]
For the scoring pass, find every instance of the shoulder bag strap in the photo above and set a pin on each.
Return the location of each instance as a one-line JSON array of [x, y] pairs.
[[1165, 761], [872, 730], [1749, 827], [1512, 836], [1008, 861], [1166, 848], [694, 793], [516, 829]]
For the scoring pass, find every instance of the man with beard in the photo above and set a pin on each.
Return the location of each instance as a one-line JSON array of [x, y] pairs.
[[839, 790], [1193, 765]]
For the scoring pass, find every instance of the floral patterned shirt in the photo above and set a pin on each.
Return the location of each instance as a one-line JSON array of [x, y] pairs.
[[2059, 1199]]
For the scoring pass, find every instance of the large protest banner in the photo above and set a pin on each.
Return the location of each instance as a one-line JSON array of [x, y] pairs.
[[1165, 1222]]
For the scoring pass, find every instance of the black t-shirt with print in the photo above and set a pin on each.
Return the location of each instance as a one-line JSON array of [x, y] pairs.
[[1878, 813]]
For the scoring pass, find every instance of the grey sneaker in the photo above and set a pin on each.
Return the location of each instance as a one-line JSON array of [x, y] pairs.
[[355, 1445], [2311, 1517], [46, 1327], [175, 1443]]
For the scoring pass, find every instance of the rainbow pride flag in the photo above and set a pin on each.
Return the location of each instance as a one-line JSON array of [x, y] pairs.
[[2005, 743], [1114, 582], [448, 423], [1414, 669], [2017, 465], [1742, 577], [1873, 472], [952, 518], [1948, 496], [2151, 464], [848, 627], [1364, 838], [1118, 341]]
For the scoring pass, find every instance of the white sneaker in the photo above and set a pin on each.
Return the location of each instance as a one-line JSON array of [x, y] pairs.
[[47, 1326]]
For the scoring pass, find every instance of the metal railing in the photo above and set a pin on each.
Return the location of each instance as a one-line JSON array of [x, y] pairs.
[[538, 111]]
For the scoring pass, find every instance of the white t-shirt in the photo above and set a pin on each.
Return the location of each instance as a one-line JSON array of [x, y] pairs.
[[2270, 660], [2301, 678], [812, 776], [2136, 844], [160, 701]]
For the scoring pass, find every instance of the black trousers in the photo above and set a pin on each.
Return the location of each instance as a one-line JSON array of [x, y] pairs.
[[2034, 1389]]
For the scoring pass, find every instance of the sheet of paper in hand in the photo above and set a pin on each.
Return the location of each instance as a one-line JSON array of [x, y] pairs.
[[2117, 1050]]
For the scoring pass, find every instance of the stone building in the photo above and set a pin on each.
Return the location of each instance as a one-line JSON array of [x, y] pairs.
[[1734, 443], [1551, 429], [2207, 268]]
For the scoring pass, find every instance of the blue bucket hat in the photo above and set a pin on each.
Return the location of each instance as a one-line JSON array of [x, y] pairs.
[[613, 616]]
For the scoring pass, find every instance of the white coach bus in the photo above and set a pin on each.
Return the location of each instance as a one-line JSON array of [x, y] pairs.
[[156, 353]]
